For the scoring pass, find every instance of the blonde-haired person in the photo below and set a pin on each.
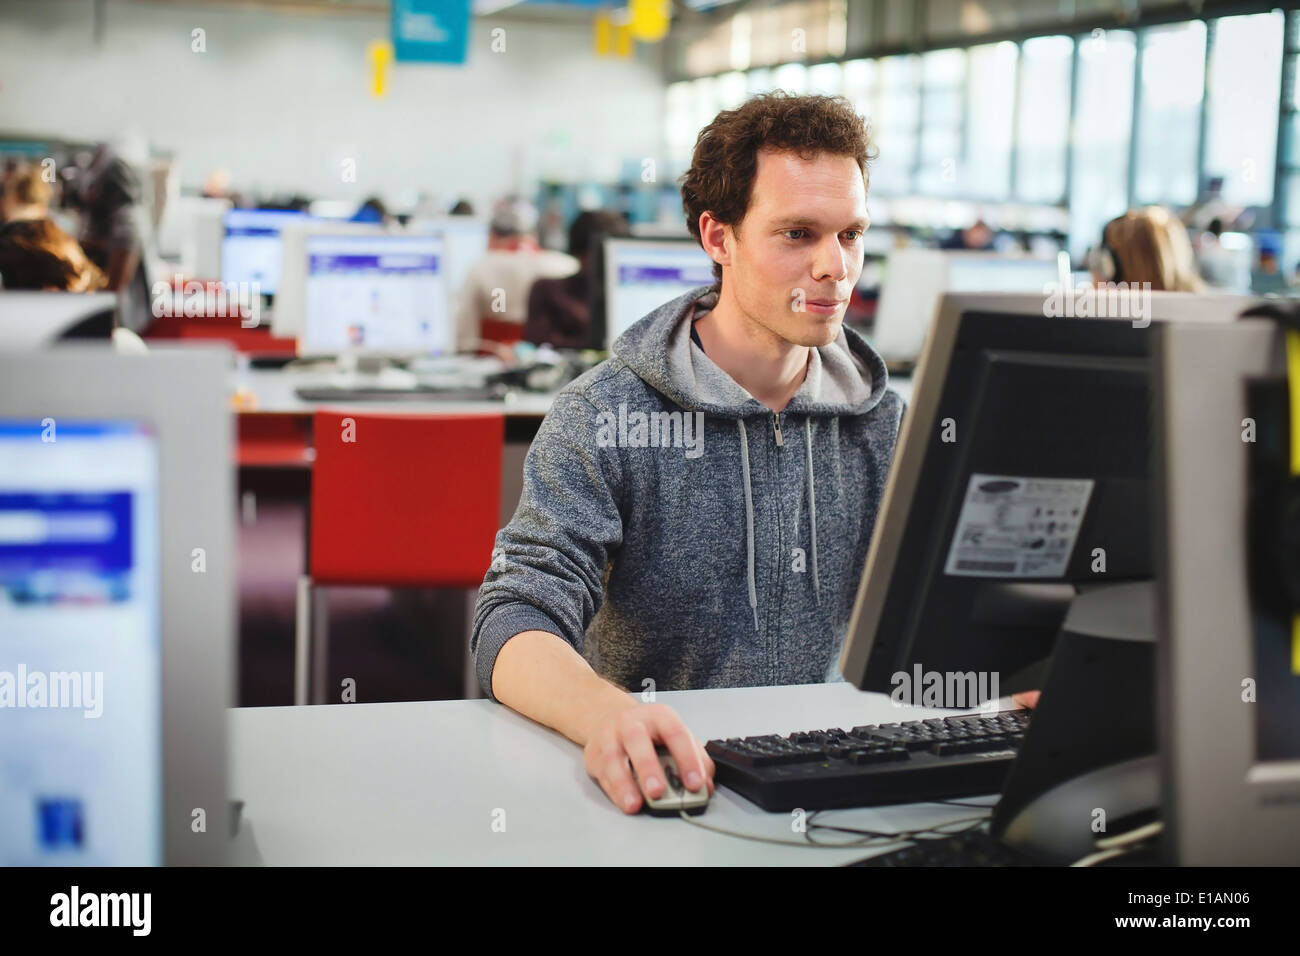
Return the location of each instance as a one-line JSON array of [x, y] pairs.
[[1147, 246], [26, 196]]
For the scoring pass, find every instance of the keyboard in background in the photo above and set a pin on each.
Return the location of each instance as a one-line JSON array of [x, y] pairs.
[[380, 393], [874, 764]]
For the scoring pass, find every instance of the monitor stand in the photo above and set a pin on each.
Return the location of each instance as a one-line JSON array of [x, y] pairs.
[[1097, 710]]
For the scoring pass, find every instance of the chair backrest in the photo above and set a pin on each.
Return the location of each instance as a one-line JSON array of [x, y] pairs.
[[405, 500]]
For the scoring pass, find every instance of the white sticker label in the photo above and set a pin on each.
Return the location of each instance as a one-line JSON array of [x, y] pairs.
[[1018, 527]]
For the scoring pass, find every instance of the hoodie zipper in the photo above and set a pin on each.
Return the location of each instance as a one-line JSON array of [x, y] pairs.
[[776, 427]]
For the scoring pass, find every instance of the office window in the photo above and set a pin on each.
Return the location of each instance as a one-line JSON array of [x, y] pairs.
[[1169, 114], [824, 78], [943, 74], [730, 91], [704, 105], [895, 114], [791, 77], [741, 39], [989, 133], [1245, 84], [858, 83], [1103, 120], [758, 81], [1042, 131], [679, 117]]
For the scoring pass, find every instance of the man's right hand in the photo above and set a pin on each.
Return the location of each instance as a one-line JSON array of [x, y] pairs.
[[630, 734]]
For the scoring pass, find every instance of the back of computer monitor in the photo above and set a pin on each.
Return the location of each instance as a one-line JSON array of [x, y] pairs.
[[173, 473], [38, 319], [1228, 659], [913, 281]]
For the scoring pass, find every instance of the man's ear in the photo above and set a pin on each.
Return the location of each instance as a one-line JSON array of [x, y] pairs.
[[713, 235]]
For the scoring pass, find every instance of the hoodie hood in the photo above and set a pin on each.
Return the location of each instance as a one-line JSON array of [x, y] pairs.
[[847, 377]]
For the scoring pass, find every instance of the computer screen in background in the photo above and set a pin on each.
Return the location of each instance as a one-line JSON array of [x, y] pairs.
[[641, 275], [375, 294], [464, 241], [914, 279], [252, 250], [290, 299], [81, 762]]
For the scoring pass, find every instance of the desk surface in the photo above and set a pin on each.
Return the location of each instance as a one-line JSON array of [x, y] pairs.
[[274, 391], [418, 784]]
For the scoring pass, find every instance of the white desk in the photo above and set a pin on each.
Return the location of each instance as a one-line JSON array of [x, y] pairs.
[[417, 784], [274, 391]]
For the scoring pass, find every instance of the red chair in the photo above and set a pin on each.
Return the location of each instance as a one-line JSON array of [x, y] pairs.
[[396, 501]]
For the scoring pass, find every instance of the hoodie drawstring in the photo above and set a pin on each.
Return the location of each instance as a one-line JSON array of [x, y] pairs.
[[812, 507], [749, 514], [749, 517]]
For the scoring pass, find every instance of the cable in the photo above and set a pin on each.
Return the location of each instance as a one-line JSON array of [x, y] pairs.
[[875, 838], [1120, 844]]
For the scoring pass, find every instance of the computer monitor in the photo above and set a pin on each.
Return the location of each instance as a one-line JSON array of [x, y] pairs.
[[288, 316], [915, 279], [643, 274], [464, 241], [376, 295], [192, 230], [37, 319], [116, 606], [252, 251], [1228, 660], [1021, 477]]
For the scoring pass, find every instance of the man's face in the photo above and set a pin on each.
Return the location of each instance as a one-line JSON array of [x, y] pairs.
[[799, 253]]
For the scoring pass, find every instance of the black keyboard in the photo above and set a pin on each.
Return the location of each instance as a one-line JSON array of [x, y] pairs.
[[971, 848], [874, 764]]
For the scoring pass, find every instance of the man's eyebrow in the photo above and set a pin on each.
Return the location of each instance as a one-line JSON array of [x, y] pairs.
[[812, 223]]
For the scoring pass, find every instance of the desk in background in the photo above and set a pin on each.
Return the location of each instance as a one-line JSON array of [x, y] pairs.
[[418, 783]]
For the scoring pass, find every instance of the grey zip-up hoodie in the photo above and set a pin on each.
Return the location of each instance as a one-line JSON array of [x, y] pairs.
[[674, 530]]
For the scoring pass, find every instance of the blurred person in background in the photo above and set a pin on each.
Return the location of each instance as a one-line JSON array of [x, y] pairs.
[[559, 310], [35, 254], [494, 298], [1146, 245], [26, 195], [977, 236], [1221, 267], [1267, 276], [463, 207], [109, 199], [373, 210]]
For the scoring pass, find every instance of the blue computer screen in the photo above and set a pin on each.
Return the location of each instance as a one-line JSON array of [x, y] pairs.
[[80, 660], [251, 251]]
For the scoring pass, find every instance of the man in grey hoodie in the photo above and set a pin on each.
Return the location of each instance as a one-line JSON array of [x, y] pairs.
[[696, 510]]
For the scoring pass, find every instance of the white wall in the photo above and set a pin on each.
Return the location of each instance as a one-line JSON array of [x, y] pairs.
[[282, 98]]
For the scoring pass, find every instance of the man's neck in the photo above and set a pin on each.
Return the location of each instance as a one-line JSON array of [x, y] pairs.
[[765, 365]]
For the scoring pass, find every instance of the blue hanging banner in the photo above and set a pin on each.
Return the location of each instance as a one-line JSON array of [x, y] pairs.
[[430, 31]]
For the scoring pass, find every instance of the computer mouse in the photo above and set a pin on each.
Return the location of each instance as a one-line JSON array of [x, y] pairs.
[[675, 797]]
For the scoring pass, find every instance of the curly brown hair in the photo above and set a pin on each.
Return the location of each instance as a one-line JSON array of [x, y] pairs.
[[725, 161]]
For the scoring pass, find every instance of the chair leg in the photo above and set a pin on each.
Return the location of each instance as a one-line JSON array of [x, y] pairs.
[[473, 690], [320, 646], [302, 640]]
